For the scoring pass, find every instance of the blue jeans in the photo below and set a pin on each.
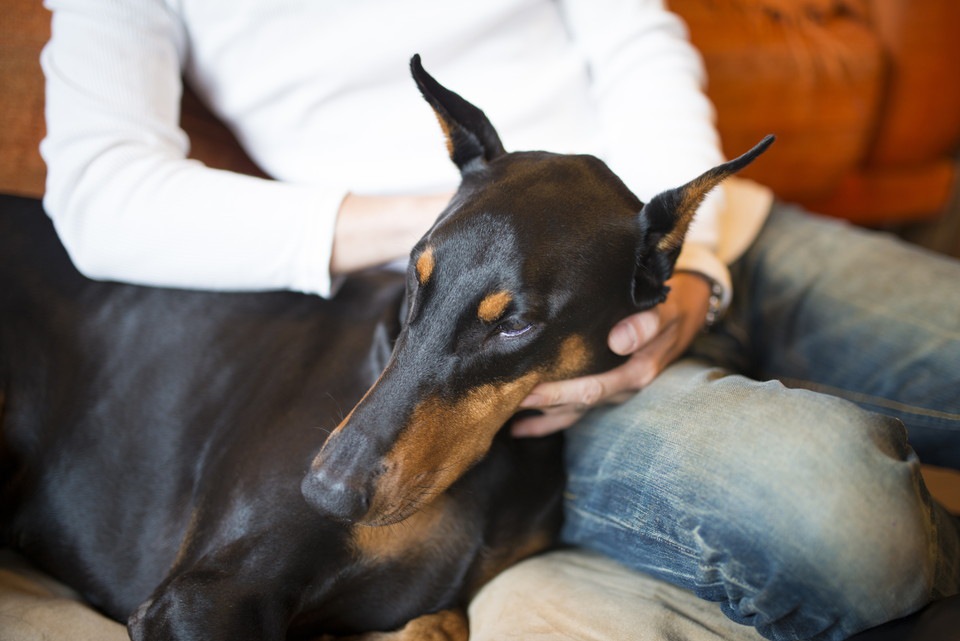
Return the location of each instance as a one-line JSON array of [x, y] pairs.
[[801, 512]]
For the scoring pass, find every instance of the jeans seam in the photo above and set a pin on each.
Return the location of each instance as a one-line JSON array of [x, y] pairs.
[[862, 398]]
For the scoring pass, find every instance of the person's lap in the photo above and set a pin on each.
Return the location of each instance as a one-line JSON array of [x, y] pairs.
[[575, 594], [801, 513], [797, 511], [831, 307]]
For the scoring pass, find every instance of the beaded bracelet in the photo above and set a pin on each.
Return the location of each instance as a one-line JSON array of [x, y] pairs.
[[714, 309], [713, 306]]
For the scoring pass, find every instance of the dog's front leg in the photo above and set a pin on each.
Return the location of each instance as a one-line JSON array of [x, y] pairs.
[[213, 605], [446, 625]]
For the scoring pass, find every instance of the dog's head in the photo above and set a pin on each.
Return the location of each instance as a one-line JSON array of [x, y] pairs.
[[519, 281]]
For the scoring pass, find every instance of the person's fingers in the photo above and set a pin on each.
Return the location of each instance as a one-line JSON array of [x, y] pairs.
[[634, 331], [586, 390], [547, 423], [563, 403]]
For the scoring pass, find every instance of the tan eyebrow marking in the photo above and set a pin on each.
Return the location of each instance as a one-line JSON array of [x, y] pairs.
[[493, 306], [425, 265]]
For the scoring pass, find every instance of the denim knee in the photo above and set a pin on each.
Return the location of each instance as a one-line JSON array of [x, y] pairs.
[[802, 514]]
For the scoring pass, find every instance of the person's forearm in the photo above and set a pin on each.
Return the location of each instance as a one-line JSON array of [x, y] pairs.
[[375, 229]]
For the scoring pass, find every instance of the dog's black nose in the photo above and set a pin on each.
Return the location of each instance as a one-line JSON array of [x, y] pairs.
[[335, 494]]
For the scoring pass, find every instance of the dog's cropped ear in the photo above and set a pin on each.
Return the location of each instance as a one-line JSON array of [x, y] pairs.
[[664, 222], [471, 139]]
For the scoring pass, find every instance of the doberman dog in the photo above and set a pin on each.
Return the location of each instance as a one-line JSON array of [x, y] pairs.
[[167, 453]]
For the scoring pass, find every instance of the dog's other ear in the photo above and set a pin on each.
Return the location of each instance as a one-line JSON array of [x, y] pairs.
[[471, 139], [664, 222]]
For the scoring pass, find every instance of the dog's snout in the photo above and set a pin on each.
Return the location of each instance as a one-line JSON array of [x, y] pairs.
[[340, 482], [337, 495]]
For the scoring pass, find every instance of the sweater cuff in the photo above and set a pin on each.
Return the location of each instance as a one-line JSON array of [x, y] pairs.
[[700, 259], [316, 250]]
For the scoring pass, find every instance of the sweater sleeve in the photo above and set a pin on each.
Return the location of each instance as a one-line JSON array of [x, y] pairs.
[[656, 124], [126, 202]]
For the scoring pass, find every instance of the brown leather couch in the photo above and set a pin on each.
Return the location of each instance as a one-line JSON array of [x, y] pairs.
[[864, 96]]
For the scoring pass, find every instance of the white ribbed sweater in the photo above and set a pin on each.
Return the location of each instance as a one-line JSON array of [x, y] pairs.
[[319, 94]]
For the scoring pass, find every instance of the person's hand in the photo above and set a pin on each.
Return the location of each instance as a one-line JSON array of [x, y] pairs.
[[653, 339]]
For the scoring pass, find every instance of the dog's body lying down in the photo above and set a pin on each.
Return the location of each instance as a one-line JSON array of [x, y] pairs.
[[170, 455]]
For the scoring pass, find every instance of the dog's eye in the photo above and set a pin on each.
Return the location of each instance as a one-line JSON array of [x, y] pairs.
[[513, 329]]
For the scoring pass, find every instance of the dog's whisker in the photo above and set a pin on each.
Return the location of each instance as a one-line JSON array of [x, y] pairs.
[[320, 428]]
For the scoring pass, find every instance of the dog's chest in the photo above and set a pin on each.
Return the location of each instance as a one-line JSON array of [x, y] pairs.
[[400, 571]]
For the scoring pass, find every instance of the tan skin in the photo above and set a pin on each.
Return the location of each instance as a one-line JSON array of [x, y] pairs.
[[374, 229], [371, 230]]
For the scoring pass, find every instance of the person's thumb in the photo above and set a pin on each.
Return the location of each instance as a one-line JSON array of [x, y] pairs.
[[633, 332]]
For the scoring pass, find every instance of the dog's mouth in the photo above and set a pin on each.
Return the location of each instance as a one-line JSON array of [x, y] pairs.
[[394, 515], [436, 522], [392, 518]]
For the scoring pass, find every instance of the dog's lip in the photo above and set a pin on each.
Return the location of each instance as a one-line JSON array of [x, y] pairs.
[[393, 517], [400, 509]]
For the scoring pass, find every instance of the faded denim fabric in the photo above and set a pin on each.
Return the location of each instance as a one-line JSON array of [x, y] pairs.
[[802, 513]]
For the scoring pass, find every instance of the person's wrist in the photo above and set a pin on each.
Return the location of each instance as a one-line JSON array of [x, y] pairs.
[[714, 311]]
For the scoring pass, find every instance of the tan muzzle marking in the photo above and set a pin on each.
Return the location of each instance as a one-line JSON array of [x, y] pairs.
[[444, 438]]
